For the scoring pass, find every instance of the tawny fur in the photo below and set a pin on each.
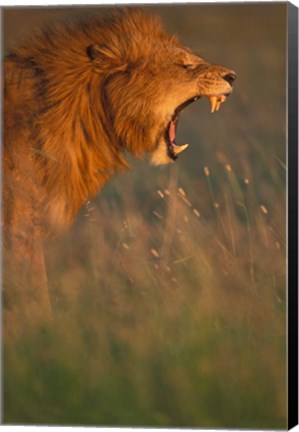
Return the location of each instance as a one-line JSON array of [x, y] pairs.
[[78, 95]]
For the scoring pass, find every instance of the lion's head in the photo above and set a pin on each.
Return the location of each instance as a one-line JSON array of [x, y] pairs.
[[151, 77]]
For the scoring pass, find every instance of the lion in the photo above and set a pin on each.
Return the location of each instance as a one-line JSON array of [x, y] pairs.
[[78, 95]]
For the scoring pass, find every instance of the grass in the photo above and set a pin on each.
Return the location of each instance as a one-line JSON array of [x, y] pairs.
[[169, 293], [178, 320]]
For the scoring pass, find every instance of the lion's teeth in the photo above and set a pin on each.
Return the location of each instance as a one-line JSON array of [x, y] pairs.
[[216, 101], [178, 149], [213, 102]]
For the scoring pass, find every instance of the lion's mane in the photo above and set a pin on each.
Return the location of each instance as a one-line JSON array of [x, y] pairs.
[[60, 130]]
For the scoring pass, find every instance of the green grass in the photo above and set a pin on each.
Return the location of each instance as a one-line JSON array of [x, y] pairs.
[[169, 293], [178, 320]]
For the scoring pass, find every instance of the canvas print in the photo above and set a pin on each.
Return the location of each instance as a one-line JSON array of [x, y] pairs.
[[144, 210]]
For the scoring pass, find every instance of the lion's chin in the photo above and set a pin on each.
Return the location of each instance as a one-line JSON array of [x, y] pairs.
[[166, 153], [160, 156]]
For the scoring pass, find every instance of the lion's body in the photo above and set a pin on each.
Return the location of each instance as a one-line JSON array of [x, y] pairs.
[[77, 96]]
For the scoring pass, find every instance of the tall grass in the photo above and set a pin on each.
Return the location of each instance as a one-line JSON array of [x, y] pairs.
[[170, 313], [169, 293]]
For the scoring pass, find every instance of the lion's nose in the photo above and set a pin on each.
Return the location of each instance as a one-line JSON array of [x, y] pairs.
[[230, 77]]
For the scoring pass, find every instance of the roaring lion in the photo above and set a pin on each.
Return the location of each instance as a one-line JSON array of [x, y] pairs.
[[77, 96]]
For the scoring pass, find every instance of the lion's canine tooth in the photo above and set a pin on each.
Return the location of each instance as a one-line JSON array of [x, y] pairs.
[[216, 101], [178, 149], [213, 102]]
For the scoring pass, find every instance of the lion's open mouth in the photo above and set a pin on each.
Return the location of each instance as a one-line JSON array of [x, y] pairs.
[[172, 148]]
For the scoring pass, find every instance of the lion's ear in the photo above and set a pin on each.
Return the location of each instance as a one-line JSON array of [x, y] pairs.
[[105, 59]]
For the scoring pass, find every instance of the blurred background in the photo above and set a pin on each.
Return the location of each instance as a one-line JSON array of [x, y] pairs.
[[169, 292]]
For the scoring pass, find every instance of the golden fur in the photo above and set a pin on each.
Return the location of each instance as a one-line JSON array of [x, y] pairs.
[[78, 95]]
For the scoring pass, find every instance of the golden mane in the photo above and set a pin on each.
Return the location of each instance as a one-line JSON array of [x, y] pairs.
[[73, 133]]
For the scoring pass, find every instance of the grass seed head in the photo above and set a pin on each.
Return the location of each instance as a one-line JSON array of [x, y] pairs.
[[155, 253], [206, 171], [196, 212], [182, 192], [157, 214]]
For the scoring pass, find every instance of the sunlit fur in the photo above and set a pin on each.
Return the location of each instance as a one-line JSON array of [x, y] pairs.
[[78, 95], [69, 117]]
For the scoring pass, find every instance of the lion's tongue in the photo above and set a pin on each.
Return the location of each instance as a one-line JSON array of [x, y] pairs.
[[172, 132], [175, 149]]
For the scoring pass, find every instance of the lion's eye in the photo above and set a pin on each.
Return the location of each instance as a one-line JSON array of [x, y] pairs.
[[187, 66]]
